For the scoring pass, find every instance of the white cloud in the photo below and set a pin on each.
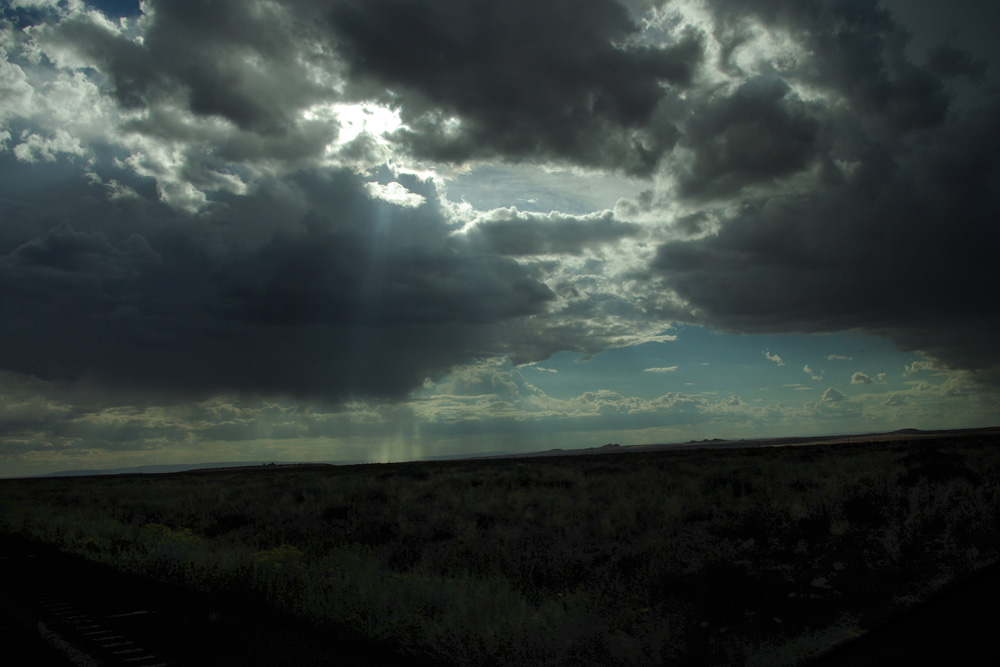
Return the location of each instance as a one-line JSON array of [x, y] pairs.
[[811, 373], [860, 378], [16, 94], [831, 395], [894, 400], [357, 119], [838, 357], [924, 365], [115, 189], [34, 147], [71, 5], [665, 369], [836, 406], [773, 357], [394, 193]]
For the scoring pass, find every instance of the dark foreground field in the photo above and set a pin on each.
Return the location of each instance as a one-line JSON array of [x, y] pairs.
[[763, 556], [61, 610]]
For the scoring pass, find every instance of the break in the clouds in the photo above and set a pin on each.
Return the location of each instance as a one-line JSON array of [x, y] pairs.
[[367, 209], [510, 232]]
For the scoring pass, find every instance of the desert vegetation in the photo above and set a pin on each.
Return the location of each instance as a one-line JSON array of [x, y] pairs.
[[741, 556]]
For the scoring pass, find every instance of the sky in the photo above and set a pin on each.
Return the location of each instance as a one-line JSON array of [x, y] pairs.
[[379, 230]]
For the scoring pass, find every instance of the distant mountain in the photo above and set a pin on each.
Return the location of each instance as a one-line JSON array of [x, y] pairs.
[[183, 467], [610, 448], [153, 469], [452, 457]]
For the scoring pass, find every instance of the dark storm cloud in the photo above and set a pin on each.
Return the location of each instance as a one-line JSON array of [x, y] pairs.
[[894, 235], [693, 224], [528, 80], [903, 244], [947, 61], [519, 234], [857, 51], [308, 287], [247, 62], [756, 135], [851, 52], [332, 276]]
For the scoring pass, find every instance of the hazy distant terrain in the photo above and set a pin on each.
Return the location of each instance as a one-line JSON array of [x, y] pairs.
[[751, 554], [610, 448]]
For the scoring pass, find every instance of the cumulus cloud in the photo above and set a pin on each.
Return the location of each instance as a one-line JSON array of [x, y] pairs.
[[920, 366], [33, 147], [894, 400], [462, 397], [831, 395], [773, 357], [811, 373], [394, 193], [860, 378]]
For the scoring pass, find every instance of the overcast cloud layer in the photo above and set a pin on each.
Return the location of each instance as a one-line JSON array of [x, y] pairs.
[[262, 199]]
